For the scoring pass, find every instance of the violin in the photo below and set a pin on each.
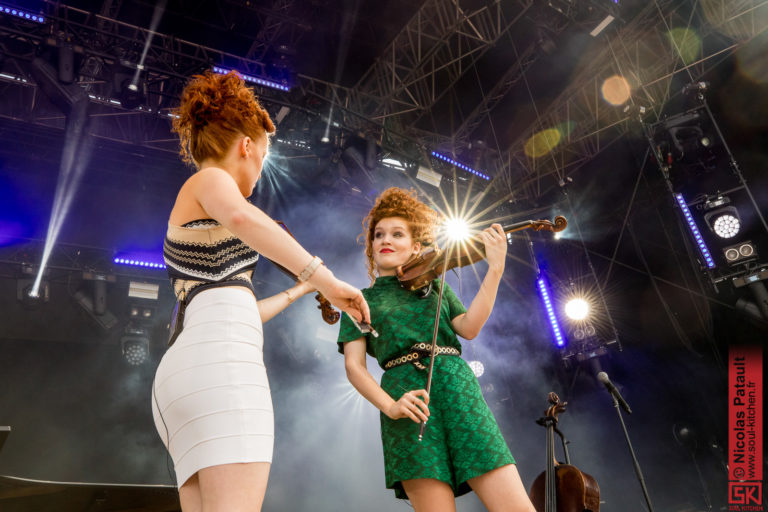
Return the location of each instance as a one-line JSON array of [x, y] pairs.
[[562, 487], [431, 262], [330, 315]]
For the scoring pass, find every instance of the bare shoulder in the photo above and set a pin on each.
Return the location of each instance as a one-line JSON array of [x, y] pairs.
[[187, 206]]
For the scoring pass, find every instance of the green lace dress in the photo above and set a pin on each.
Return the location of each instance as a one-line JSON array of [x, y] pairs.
[[462, 439]]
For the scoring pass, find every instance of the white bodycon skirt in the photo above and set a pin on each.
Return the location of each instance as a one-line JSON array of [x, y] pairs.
[[210, 399]]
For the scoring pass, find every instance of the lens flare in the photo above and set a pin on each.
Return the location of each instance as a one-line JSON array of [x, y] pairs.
[[577, 309], [616, 90], [542, 143], [456, 229], [686, 43]]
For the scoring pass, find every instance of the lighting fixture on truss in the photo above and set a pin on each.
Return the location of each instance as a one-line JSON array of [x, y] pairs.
[[254, 79]]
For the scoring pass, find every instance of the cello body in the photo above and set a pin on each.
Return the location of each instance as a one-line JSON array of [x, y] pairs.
[[576, 491]]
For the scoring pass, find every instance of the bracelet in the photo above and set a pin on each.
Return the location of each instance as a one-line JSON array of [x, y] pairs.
[[291, 298], [310, 269]]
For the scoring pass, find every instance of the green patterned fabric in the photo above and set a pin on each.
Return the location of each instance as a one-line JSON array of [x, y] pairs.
[[462, 439]]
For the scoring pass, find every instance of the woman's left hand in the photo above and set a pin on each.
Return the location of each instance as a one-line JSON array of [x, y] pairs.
[[495, 242]]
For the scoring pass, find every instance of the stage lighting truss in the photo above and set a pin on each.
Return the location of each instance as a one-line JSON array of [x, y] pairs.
[[685, 139], [740, 253]]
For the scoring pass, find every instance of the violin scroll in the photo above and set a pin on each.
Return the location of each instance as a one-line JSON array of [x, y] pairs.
[[330, 315], [558, 225]]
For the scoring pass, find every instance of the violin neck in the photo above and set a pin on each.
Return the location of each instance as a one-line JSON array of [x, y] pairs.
[[517, 226]]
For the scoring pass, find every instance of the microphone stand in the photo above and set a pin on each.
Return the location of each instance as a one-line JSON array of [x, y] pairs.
[[632, 453]]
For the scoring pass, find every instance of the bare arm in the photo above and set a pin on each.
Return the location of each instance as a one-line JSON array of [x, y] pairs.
[[218, 194], [468, 325], [408, 406], [271, 306]]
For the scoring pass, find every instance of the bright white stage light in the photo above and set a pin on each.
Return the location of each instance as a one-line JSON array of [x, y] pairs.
[[456, 229], [726, 226], [577, 309], [477, 368]]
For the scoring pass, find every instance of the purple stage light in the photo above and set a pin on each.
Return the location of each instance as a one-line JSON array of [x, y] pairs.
[[138, 263], [460, 165], [19, 13], [254, 79], [545, 299], [695, 231]]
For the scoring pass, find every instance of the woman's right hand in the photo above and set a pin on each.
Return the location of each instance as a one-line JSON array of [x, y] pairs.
[[347, 298], [410, 406]]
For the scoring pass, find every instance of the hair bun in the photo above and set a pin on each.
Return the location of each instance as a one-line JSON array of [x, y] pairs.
[[201, 113]]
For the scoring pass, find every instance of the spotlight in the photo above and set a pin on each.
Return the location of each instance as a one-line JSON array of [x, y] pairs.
[[577, 309], [30, 297], [456, 229], [477, 368], [739, 253], [135, 345], [132, 95], [724, 222], [141, 312]]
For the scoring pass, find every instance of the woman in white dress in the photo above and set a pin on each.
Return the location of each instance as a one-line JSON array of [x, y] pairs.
[[210, 397]]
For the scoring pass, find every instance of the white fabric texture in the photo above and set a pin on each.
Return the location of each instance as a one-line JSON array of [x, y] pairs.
[[211, 401]]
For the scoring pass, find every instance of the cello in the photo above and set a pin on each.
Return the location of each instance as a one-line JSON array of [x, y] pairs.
[[562, 487]]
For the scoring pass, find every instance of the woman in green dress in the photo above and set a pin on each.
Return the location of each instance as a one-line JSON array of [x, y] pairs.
[[462, 448]]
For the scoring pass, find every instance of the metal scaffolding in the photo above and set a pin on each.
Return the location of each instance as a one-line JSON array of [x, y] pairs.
[[396, 98], [645, 54]]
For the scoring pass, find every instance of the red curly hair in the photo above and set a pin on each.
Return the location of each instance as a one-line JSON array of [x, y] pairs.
[[215, 109], [397, 202]]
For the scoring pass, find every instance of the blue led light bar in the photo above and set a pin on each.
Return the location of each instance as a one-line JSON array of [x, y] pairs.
[[545, 299], [19, 13], [460, 165], [695, 231], [253, 79], [138, 263]]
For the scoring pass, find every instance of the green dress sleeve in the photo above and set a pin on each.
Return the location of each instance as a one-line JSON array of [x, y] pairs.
[[347, 332], [455, 307]]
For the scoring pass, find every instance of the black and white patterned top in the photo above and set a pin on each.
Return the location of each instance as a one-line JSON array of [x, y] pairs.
[[203, 251]]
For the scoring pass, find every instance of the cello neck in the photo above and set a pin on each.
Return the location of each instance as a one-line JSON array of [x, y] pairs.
[[551, 482]]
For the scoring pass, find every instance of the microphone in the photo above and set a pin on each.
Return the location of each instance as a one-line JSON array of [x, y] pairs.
[[603, 377]]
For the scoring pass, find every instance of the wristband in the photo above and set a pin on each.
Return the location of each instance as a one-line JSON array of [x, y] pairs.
[[310, 269]]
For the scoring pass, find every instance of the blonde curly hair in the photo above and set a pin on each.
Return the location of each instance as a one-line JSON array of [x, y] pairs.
[[397, 202], [215, 109]]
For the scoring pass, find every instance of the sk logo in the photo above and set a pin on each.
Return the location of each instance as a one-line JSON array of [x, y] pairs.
[[746, 493]]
